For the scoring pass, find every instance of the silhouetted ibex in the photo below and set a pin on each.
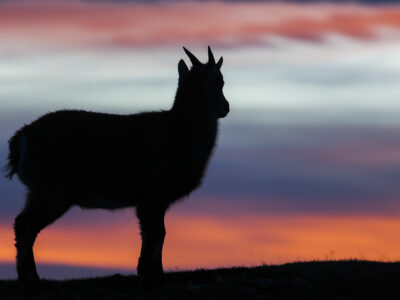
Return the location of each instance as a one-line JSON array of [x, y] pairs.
[[97, 160]]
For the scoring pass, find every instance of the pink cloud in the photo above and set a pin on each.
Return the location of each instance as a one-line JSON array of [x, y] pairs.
[[85, 24]]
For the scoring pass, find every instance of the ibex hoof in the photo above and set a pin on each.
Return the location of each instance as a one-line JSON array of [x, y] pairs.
[[29, 279], [151, 279]]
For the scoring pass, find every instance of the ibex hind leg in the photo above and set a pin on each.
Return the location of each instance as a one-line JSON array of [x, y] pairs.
[[153, 232], [40, 210]]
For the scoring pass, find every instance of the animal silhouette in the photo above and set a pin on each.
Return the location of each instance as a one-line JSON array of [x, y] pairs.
[[97, 160]]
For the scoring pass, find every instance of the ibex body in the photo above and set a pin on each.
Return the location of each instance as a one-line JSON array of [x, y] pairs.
[[96, 160]]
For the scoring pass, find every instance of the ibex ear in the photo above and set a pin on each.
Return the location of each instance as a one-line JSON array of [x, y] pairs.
[[219, 63], [182, 68]]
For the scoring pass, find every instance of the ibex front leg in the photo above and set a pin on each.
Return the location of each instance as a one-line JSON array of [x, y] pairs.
[[152, 227]]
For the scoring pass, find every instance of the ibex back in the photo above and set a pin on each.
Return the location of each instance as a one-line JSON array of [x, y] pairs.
[[96, 160]]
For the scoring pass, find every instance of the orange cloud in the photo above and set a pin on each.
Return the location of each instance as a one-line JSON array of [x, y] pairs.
[[202, 241], [75, 23]]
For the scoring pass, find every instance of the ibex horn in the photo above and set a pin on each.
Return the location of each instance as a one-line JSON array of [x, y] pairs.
[[193, 59], [211, 59]]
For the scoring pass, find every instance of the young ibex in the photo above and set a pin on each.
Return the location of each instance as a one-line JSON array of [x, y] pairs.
[[97, 160]]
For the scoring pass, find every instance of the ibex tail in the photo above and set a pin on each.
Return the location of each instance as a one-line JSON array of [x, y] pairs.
[[13, 156]]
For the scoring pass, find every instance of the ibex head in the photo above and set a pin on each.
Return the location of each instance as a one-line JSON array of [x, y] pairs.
[[204, 83]]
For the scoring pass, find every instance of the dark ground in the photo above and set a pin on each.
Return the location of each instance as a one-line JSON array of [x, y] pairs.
[[304, 280]]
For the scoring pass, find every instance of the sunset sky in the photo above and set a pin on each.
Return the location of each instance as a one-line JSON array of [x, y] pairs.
[[307, 164]]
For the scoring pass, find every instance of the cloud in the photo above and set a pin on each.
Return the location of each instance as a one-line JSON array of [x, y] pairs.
[[306, 169], [142, 24], [194, 241]]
